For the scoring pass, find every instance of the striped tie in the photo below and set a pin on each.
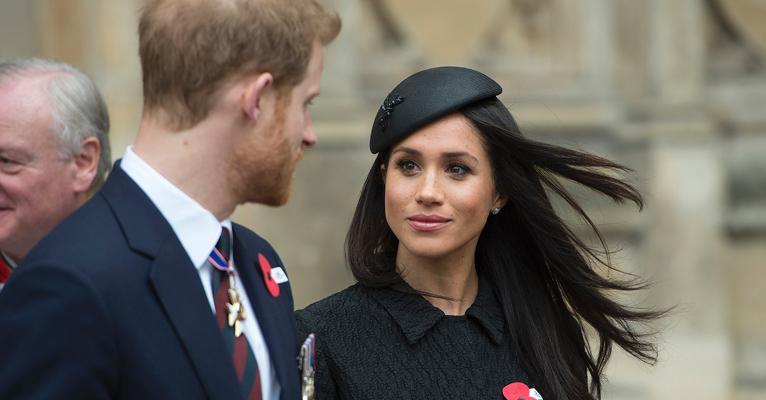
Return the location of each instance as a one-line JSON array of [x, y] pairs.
[[242, 355]]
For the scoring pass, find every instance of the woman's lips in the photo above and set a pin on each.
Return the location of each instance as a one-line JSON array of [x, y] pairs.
[[427, 223]]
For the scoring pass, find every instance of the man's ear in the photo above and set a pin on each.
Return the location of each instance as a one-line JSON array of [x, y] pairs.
[[251, 99], [86, 164]]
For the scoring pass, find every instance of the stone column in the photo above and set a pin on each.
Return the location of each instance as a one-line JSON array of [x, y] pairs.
[[686, 250], [20, 37], [339, 80], [686, 203], [99, 37]]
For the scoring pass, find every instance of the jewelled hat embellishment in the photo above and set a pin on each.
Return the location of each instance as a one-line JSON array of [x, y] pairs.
[[388, 109], [520, 391]]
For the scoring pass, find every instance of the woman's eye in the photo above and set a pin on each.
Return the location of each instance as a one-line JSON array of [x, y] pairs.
[[458, 169], [407, 166]]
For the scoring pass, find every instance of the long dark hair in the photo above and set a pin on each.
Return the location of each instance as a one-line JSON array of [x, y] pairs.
[[544, 276]]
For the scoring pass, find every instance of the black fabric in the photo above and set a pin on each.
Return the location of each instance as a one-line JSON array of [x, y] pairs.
[[424, 97], [391, 343]]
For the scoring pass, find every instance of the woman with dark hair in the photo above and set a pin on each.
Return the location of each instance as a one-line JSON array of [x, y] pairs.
[[470, 286]]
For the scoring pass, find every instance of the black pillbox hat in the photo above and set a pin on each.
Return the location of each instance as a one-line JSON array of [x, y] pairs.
[[425, 97]]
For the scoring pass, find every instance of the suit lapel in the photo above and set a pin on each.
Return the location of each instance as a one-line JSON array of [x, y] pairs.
[[180, 291], [272, 319], [176, 283]]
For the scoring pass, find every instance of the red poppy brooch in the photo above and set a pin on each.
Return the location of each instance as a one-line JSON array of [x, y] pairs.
[[520, 391]]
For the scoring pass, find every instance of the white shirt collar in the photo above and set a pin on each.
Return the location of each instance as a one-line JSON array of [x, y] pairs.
[[8, 261], [197, 229]]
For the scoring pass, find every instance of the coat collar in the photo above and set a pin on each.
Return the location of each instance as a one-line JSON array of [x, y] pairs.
[[175, 282], [488, 312], [415, 316], [272, 322], [142, 223]]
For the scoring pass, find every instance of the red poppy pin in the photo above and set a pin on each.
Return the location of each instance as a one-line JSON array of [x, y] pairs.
[[271, 284], [520, 391]]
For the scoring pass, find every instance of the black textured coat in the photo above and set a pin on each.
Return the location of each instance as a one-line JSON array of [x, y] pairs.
[[391, 343]]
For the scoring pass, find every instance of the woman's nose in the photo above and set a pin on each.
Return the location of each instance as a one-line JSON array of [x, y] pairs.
[[429, 189]]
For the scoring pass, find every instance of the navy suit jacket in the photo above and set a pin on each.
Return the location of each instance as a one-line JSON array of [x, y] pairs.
[[109, 306]]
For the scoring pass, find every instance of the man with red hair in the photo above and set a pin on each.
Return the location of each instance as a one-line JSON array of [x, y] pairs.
[[150, 291]]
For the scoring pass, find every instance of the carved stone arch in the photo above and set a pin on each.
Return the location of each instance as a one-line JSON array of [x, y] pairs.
[[747, 18], [402, 36], [535, 46], [736, 36]]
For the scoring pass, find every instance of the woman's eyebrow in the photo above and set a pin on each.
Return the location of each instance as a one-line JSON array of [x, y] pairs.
[[457, 154], [448, 154], [408, 150]]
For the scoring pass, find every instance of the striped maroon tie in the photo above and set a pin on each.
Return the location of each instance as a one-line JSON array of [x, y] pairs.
[[242, 355]]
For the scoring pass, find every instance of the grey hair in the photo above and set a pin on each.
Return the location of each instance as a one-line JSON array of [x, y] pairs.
[[77, 108]]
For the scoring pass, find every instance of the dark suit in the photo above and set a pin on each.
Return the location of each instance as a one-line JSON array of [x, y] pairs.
[[109, 306]]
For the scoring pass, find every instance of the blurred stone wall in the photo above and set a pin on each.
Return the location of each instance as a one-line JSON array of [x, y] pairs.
[[676, 89]]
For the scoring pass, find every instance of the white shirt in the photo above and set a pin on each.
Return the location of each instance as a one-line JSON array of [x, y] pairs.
[[198, 231]]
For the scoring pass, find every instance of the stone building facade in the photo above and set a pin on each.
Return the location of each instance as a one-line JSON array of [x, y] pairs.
[[676, 89]]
